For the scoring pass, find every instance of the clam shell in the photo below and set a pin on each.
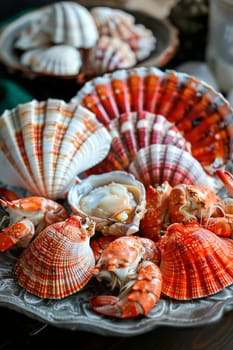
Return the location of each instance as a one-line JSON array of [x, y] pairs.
[[136, 130], [142, 41], [104, 207], [45, 145], [158, 163], [110, 54], [202, 114], [55, 60], [72, 24], [194, 262], [57, 262]]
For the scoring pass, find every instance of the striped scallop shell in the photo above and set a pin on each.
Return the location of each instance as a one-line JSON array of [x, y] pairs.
[[195, 262], [110, 54], [158, 163], [114, 200], [202, 114], [57, 262], [72, 24], [142, 41], [136, 130], [59, 60], [45, 145]]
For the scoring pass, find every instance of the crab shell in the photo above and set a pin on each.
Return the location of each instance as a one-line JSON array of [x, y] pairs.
[[122, 221], [58, 261], [195, 262], [44, 145]]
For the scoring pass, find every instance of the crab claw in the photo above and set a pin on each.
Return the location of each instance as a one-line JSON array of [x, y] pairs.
[[19, 233], [227, 178]]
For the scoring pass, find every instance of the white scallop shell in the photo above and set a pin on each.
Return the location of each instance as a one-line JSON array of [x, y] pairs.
[[55, 60], [45, 145], [34, 34], [118, 222], [72, 24], [110, 54]]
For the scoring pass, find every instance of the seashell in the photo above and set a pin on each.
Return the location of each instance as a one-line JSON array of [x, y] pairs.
[[55, 60], [72, 24], [113, 22], [158, 163], [33, 35], [110, 54], [45, 145], [202, 114], [136, 130], [195, 262], [142, 41], [58, 261], [114, 200], [120, 24]]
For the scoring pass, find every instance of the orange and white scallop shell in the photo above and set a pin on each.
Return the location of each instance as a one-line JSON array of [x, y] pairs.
[[44, 145]]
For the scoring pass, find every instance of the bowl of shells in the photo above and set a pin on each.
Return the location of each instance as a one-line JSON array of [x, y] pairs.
[[70, 41]]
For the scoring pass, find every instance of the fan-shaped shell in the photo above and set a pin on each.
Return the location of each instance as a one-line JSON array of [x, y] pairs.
[[195, 262], [114, 200], [136, 130], [34, 34], [113, 22], [55, 60], [45, 145], [57, 262], [72, 24], [202, 114], [110, 54], [158, 163], [142, 41]]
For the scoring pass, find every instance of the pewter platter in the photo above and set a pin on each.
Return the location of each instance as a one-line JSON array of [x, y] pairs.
[[166, 35], [74, 312]]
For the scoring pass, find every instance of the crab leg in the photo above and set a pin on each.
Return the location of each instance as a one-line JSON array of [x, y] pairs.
[[139, 299], [227, 178], [19, 233]]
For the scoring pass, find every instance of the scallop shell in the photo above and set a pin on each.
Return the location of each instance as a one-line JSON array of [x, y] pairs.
[[33, 35], [72, 24], [114, 200], [142, 41], [56, 60], [136, 130], [110, 54], [202, 114], [120, 24], [45, 145], [195, 262], [113, 22], [158, 163], [58, 261]]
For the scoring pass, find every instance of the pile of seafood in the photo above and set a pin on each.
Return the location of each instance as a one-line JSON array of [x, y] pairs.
[[121, 187], [66, 39]]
